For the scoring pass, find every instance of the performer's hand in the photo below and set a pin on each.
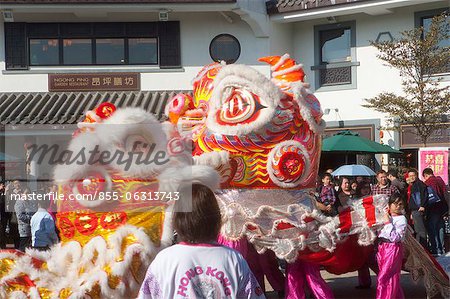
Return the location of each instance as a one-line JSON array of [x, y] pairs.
[[328, 208], [421, 209]]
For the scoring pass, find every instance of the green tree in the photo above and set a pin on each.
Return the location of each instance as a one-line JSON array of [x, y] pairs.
[[420, 56]]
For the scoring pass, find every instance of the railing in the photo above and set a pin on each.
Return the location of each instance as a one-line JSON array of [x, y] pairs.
[[285, 5]]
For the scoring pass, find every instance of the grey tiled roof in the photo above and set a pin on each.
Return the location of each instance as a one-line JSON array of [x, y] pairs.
[[110, 1], [70, 107], [281, 6]]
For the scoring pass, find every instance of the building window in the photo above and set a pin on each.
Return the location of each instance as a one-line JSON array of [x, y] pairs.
[[110, 50], [424, 19], [143, 50], [77, 51], [335, 45], [225, 47], [335, 56], [44, 51], [52, 44]]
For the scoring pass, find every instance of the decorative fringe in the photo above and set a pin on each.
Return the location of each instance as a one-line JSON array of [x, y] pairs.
[[300, 92], [71, 266]]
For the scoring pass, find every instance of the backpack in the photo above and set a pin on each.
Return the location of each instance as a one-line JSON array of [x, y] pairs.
[[432, 196]]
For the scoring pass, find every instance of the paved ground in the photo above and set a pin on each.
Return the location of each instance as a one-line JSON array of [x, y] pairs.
[[343, 286]]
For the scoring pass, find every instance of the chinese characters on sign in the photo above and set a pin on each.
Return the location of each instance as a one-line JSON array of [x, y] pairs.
[[94, 82], [435, 158]]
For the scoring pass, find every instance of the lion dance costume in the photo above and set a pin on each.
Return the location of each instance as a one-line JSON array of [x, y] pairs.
[[254, 140]]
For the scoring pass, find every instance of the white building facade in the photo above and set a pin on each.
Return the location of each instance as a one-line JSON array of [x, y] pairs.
[[196, 24], [332, 39]]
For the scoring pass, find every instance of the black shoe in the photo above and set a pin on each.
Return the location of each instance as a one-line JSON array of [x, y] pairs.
[[362, 287]]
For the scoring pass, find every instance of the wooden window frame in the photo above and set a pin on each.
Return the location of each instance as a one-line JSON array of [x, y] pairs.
[[167, 35], [319, 67]]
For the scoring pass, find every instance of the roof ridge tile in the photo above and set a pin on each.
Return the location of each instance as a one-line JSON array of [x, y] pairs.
[[64, 107]]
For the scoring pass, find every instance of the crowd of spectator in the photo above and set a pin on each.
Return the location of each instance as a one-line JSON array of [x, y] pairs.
[[426, 201], [26, 223]]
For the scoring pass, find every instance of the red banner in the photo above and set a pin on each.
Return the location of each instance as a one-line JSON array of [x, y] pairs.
[[435, 158]]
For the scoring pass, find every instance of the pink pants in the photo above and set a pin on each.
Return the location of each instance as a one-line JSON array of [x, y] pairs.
[[300, 272], [390, 258], [240, 245], [265, 264], [260, 264]]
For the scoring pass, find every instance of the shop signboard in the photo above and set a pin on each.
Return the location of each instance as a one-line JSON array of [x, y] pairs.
[[410, 139], [435, 158], [94, 82]]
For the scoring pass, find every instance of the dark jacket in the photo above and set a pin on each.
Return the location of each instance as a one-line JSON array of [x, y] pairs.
[[401, 186], [419, 195], [439, 188], [9, 205], [2, 205]]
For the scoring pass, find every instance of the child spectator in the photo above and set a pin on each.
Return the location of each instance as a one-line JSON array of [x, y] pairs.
[[390, 250], [198, 267], [326, 196], [43, 232]]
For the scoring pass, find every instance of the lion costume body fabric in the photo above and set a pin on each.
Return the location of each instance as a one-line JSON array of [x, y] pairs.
[[254, 140]]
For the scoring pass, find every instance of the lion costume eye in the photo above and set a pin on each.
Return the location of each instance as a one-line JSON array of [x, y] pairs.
[[93, 182], [241, 107], [243, 101]]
